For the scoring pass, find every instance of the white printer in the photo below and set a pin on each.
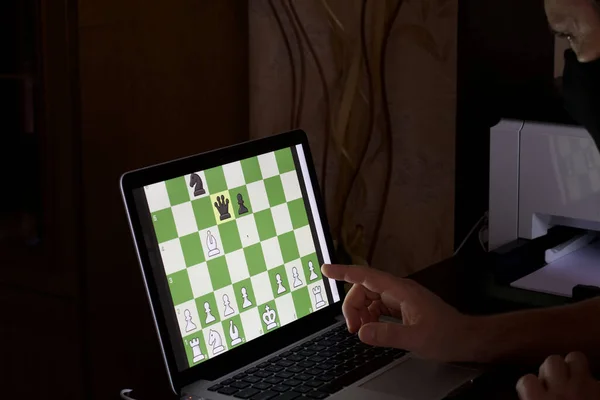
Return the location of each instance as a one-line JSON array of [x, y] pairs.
[[544, 204]]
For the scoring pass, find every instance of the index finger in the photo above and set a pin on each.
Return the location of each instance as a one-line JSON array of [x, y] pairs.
[[372, 279]]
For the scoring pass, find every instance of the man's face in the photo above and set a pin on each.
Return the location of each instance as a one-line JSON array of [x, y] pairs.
[[579, 22]]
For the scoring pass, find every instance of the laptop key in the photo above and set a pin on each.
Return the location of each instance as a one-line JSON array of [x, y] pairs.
[[317, 359], [262, 385], [214, 388], [314, 383], [246, 393], [326, 377], [285, 363], [295, 369], [252, 370], [313, 371], [267, 395], [273, 360], [327, 353], [363, 371], [280, 388], [273, 368], [263, 365], [288, 396], [227, 382], [285, 354], [302, 389], [227, 390], [284, 375], [316, 347], [317, 395], [251, 379], [239, 376], [273, 380], [295, 358], [303, 377], [292, 382], [240, 385], [306, 364], [306, 353], [263, 374]]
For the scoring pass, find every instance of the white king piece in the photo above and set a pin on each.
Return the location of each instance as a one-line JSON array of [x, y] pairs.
[[269, 317]]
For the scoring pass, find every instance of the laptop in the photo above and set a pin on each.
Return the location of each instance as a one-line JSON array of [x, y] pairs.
[[230, 245]]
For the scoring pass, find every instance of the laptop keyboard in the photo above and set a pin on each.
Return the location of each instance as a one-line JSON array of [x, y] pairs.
[[315, 369]]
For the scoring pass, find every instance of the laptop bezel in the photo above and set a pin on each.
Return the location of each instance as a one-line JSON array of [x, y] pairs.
[[259, 347]]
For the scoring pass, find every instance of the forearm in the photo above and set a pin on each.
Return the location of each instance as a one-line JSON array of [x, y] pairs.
[[535, 334]]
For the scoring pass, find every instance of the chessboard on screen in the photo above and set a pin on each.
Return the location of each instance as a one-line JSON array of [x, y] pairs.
[[237, 250]]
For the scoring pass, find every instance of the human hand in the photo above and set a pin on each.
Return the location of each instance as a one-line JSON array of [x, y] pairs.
[[430, 327], [560, 378]]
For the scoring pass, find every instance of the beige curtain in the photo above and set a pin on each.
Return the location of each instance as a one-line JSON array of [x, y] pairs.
[[308, 70]]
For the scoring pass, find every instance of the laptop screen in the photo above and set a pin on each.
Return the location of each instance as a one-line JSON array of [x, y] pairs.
[[239, 247]]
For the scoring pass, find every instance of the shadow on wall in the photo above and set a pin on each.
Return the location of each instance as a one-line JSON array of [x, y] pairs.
[[373, 85]]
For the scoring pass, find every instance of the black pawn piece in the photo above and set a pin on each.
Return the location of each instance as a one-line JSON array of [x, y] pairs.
[[243, 209]]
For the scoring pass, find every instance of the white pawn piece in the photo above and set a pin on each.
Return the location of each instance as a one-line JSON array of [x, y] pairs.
[[280, 288], [209, 317], [269, 317], [211, 244], [214, 339], [234, 334], [247, 303], [228, 309], [318, 297], [196, 351], [189, 326], [313, 274], [297, 281]]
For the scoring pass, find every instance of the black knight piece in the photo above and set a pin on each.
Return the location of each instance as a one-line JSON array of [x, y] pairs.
[[222, 205], [197, 184], [243, 209]]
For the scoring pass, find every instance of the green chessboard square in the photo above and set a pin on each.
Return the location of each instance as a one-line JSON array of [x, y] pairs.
[[203, 211], [285, 160], [298, 213], [214, 311], [219, 273], [180, 287], [237, 288], [189, 352], [317, 268], [237, 322], [284, 281], [177, 190], [255, 259], [251, 170], [235, 206], [289, 247], [164, 225], [275, 192], [265, 224], [215, 180], [302, 302], [261, 311], [230, 236], [192, 249]]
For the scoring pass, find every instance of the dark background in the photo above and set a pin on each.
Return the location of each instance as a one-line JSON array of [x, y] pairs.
[[92, 88]]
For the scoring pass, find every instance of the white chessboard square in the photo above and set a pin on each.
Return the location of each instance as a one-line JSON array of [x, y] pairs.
[[226, 294], [282, 219], [214, 231], [305, 241], [258, 196], [251, 324], [218, 328], [286, 309], [299, 282], [200, 280], [248, 230], [172, 256], [194, 325], [291, 186], [261, 284], [185, 221], [268, 165], [234, 176], [238, 268], [157, 197], [311, 287], [192, 189], [272, 253]]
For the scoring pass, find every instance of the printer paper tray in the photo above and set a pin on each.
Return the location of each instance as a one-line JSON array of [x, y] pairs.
[[558, 278]]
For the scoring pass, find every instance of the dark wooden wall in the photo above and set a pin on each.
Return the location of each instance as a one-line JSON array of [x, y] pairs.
[[126, 84]]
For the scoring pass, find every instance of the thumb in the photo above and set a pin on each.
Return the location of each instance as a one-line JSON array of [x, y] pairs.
[[387, 334]]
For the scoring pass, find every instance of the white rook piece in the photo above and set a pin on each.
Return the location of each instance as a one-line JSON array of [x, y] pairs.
[[318, 297], [196, 351]]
